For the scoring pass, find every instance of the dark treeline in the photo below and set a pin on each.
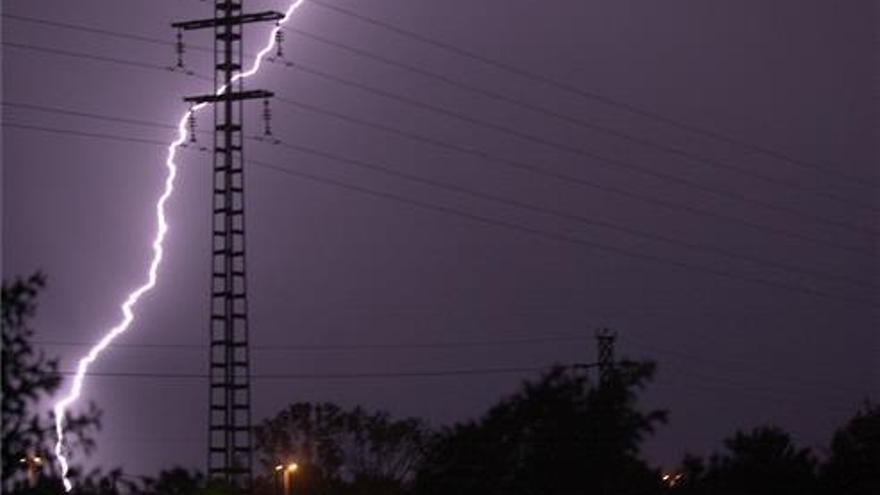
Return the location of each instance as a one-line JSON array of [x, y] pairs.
[[558, 434]]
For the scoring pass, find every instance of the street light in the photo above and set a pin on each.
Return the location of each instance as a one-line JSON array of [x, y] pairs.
[[285, 472], [672, 479], [34, 465]]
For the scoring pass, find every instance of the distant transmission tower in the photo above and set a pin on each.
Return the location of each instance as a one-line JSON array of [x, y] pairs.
[[605, 346], [229, 416]]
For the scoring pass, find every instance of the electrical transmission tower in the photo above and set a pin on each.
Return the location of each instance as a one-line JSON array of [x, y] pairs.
[[605, 346], [229, 416]]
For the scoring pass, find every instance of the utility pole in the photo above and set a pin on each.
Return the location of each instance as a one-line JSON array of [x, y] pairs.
[[229, 416], [605, 360], [605, 345]]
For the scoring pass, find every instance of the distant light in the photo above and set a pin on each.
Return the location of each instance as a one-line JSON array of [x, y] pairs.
[[38, 460], [292, 467], [279, 467], [672, 479]]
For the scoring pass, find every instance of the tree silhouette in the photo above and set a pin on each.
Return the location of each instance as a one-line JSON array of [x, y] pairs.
[[29, 376], [853, 467], [174, 481], [558, 435], [762, 461], [97, 482], [342, 451]]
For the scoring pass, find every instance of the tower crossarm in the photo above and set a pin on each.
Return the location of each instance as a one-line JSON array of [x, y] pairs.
[[229, 21], [230, 96]]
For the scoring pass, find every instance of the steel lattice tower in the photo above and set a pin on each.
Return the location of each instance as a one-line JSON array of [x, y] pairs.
[[229, 416], [605, 349]]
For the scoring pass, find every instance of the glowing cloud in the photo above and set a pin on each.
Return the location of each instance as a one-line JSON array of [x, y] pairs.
[[134, 296]]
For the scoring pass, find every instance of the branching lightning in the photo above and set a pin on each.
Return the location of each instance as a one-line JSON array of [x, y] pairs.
[[127, 307]]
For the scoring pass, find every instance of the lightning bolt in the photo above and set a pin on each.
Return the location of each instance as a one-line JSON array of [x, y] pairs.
[[127, 307]]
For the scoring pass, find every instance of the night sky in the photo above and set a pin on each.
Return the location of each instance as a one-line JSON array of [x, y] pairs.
[[384, 275]]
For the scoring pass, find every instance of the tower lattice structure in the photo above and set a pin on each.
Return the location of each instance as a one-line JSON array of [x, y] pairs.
[[230, 451], [605, 359]]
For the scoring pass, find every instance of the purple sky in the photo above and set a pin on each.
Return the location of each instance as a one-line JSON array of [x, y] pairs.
[[329, 265]]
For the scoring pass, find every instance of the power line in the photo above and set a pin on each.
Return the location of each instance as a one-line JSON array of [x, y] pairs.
[[590, 95], [96, 135], [106, 32], [534, 169], [97, 58], [508, 225], [719, 382], [93, 30], [566, 215], [559, 237], [759, 372], [280, 347], [344, 347], [607, 161], [329, 376], [713, 382], [713, 378], [480, 154], [360, 346], [632, 138], [90, 115], [515, 203], [763, 394]]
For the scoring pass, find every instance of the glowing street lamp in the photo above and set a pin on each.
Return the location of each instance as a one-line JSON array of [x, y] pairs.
[[672, 479], [34, 466], [285, 472]]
